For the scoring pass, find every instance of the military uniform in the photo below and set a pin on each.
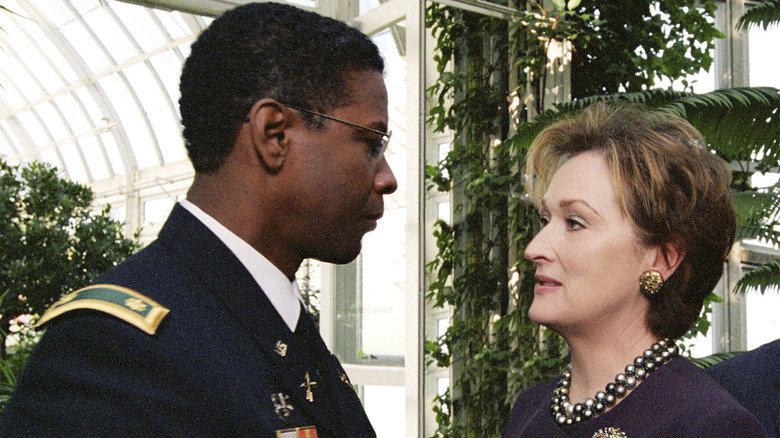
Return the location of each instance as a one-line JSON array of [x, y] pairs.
[[219, 361]]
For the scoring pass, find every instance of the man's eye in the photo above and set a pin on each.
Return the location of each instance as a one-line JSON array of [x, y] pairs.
[[374, 146]]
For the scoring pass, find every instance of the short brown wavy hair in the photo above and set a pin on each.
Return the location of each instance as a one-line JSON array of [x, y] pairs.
[[672, 188]]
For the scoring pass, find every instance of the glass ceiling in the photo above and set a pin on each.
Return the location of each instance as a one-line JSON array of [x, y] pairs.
[[91, 86]]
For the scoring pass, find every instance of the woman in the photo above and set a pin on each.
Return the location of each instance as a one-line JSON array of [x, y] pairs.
[[637, 220]]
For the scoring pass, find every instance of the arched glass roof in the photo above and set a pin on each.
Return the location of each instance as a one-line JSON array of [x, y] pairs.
[[91, 86]]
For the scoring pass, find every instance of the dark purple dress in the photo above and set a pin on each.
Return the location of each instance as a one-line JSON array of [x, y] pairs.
[[677, 400]]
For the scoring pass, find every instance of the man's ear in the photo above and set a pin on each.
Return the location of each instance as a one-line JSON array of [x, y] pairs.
[[667, 263], [269, 120]]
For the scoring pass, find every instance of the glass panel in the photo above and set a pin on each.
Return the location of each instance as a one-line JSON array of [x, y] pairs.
[[96, 162], [32, 125], [10, 27], [367, 5], [764, 66], [87, 48], [383, 288], [10, 91], [53, 121], [443, 212], [112, 150], [385, 409], [763, 321], [57, 12], [117, 44], [49, 155], [63, 67], [44, 74], [73, 113], [139, 23], [166, 128], [132, 121], [73, 162], [140, 140], [96, 115], [307, 3], [168, 68], [8, 139], [25, 85], [157, 210], [146, 87], [173, 22], [84, 6]]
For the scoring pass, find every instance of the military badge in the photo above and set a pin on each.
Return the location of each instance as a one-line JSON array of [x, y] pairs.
[[281, 407], [298, 432]]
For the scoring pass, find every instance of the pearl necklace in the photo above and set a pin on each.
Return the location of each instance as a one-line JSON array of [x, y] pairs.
[[565, 413]]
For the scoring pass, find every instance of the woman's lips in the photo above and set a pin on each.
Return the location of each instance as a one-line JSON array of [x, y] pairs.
[[545, 284]]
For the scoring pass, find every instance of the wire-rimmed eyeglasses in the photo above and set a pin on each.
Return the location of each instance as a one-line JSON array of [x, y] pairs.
[[385, 136]]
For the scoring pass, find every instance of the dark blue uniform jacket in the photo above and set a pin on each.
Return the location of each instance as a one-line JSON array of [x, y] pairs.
[[753, 378], [215, 366]]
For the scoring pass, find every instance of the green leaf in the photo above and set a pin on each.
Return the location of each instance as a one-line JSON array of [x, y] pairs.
[[763, 278], [763, 14], [713, 359]]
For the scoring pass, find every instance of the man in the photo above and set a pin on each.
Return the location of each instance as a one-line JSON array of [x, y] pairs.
[[753, 378], [202, 333]]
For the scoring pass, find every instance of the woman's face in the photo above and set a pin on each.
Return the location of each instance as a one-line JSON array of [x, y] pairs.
[[587, 256]]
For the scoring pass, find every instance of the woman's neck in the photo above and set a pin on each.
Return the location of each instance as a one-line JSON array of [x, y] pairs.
[[595, 361]]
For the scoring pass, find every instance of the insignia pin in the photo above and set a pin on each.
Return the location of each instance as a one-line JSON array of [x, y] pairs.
[[281, 407], [345, 379], [309, 384], [280, 348]]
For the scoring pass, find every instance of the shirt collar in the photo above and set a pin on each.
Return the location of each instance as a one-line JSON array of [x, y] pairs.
[[283, 294]]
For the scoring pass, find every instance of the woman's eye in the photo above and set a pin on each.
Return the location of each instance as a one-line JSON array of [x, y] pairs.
[[544, 220], [575, 223]]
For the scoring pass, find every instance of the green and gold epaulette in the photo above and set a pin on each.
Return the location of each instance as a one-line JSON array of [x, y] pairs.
[[121, 302]]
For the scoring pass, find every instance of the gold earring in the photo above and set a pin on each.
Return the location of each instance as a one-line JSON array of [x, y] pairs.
[[650, 282]]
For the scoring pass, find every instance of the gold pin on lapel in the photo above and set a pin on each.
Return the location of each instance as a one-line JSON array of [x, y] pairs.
[[280, 348], [281, 407], [309, 384]]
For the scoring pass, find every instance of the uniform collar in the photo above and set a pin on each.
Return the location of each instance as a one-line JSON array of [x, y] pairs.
[[283, 294]]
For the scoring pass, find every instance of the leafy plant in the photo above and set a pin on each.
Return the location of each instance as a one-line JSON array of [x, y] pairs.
[[51, 241], [764, 14]]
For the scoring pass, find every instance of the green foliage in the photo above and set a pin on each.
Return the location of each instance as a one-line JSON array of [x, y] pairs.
[[713, 359], [22, 338], [764, 14], [638, 42], [51, 242]]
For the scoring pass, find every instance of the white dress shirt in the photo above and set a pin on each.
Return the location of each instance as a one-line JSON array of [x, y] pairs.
[[283, 294]]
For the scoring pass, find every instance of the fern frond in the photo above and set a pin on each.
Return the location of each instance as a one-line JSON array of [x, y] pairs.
[[764, 15], [742, 124], [763, 278], [713, 359]]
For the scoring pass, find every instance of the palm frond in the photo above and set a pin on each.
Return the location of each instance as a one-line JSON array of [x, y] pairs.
[[764, 15], [761, 233], [655, 98], [741, 124], [713, 359], [763, 278]]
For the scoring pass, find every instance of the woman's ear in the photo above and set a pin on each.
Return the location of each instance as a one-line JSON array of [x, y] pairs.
[[666, 262], [269, 120]]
